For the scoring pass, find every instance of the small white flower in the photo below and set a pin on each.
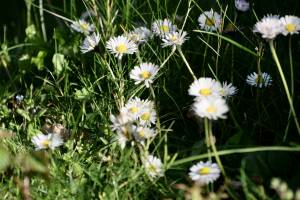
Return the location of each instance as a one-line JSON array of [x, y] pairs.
[[139, 35], [204, 173], [51, 141], [205, 87], [121, 45], [144, 73], [242, 5], [174, 39], [124, 134], [228, 90], [90, 42], [119, 121], [210, 21], [147, 115], [82, 26], [142, 133], [211, 108], [269, 27], [153, 166], [259, 80], [162, 27], [291, 24], [133, 108]]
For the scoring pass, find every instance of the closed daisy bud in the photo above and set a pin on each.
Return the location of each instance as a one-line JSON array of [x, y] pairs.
[[241, 5]]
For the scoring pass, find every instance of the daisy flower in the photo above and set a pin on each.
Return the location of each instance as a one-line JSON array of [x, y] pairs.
[[142, 133], [204, 172], [82, 26], [210, 20], [147, 115], [133, 108], [153, 166], [119, 121], [49, 141], [121, 45], [242, 5], [162, 27], [227, 90], [139, 35], [125, 134], [211, 108], [291, 24], [269, 27], [205, 87], [259, 80], [90, 43], [174, 39], [144, 73]]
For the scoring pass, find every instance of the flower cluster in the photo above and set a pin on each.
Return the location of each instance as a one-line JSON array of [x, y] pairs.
[[134, 122], [209, 97], [272, 25]]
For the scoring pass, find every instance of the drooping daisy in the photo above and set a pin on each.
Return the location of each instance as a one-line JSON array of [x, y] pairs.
[[153, 166], [210, 20], [242, 5], [162, 27], [144, 73], [90, 42], [211, 108], [121, 45], [259, 80], [82, 26], [49, 141], [142, 133], [205, 87], [269, 27], [291, 24], [174, 39], [204, 172], [139, 35], [228, 90]]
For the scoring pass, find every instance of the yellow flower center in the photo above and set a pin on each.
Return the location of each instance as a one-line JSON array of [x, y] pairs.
[[259, 80], [290, 27], [204, 171], [133, 109], [121, 48], [145, 74], [142, 133], [46, 143], [205, 91], [173, 38], [145, 116], [84, 26], [211, 109], [152, 168], [164, 28], [210, 22]]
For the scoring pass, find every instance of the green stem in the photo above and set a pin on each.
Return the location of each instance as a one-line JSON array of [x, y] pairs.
[[288, 95], [292, 86], [42, 20], [186, 63]]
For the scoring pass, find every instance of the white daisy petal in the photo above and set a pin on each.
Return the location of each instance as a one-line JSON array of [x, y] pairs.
[[174, 39], [90, 42], [139, 35], [228, 90], [259, 80]]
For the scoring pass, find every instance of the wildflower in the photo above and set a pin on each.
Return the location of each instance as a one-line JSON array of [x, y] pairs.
[[242, 5], [291, 24], [227, 90], [133, 108], [259, 80], [82, 26], [148, 114], [174, 39], [211, 108], [119, 121], [269, 27], [163, 27], [204, 173], [205, 87], [19, 98], [210, 20], [153, 166], [90, 43], [142, 133], [144, 73], [121, 45], [139, 35], [124, 134], [51, 141]]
